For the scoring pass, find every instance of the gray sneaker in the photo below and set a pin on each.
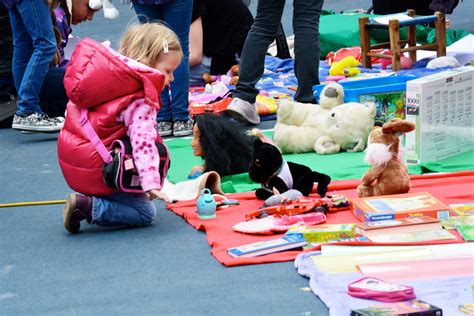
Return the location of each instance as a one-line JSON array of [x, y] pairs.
[[165, 128], [183, 128], [37, 122], [243, 111]]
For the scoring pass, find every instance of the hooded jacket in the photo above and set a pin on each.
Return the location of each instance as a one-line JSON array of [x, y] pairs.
[[99, 79]]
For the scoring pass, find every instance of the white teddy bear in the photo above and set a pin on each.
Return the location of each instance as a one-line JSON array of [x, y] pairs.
[[110, 11], [326, 128]]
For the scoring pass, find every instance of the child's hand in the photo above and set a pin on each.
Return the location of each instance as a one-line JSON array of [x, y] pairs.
[[197, 168], [157, 194]]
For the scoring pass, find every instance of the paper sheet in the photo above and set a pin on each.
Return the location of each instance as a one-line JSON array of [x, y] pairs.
[[419, 269]]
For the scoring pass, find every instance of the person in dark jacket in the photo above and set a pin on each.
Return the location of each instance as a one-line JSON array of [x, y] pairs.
[[217, 36]]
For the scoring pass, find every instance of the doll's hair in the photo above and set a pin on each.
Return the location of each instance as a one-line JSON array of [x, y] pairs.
[[226, 146], [147, 42]]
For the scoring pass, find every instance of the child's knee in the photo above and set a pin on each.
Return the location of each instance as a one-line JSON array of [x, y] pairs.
[[148, 216]]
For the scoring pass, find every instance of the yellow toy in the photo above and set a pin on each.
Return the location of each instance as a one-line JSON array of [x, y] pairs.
[[345, 67]]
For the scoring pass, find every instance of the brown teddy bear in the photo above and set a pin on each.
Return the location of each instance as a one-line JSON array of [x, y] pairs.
[[388, 174]]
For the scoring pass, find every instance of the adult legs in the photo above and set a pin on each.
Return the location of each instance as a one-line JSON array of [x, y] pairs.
[[260, 36], [307, 47], [53, 97], [177, 15], [34, 48], [154, 13]]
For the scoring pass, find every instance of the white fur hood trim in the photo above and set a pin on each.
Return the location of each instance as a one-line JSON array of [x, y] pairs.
[[378, 154]]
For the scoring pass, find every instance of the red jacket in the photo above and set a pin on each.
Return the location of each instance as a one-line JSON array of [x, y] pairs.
[[98, 80]]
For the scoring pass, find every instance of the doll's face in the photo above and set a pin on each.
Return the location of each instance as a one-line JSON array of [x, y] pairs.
[[195, 144]]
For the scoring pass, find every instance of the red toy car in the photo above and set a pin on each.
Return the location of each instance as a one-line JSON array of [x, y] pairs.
[[303, 204]]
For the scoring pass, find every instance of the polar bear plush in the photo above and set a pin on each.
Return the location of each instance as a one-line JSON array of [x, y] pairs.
[[326, 128]]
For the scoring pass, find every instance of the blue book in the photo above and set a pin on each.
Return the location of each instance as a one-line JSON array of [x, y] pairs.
[[267, 246]]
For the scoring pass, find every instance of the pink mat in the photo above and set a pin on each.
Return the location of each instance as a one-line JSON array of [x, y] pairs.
[[450, 188]]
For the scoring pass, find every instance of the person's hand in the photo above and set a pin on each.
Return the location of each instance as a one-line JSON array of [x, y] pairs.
[[157, 194]]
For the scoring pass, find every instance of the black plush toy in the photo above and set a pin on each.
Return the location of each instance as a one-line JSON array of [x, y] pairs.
[[269, 169]]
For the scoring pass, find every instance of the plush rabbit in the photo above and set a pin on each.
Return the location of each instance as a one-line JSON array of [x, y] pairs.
[[388, 174]]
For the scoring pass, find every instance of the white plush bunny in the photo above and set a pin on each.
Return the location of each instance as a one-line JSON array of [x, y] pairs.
[[110, 11]]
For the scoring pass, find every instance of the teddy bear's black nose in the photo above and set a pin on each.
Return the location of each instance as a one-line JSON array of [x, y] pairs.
[[333, 114], [331, 93]]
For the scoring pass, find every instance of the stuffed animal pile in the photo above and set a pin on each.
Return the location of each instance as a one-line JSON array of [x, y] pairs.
[[326, 128], [388, 174]]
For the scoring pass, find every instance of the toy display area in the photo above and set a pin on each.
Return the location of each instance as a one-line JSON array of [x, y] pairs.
[[392, 232], [435, 98]]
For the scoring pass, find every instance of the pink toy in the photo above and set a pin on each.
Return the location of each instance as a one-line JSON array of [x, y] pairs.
[[335, 78], [376, 289], [283, 223], [205, 97], [272, 224], [405, 63]]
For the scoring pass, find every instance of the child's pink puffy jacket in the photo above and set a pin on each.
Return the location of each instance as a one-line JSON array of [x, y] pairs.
[[100, 81]]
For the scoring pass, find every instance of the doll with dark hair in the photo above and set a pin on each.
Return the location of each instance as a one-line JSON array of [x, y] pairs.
[[223, 145]]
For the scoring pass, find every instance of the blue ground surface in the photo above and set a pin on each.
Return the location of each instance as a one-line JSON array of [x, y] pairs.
[[165, 269]]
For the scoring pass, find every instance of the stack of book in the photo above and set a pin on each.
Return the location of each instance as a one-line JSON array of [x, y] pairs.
[[398, 206], [410, 229]]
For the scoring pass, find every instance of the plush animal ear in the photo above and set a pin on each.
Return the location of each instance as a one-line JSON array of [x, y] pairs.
[[397, 126], [257, 144]]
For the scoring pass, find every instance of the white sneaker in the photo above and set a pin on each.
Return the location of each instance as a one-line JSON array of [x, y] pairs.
[[243, 111], [37, 122]]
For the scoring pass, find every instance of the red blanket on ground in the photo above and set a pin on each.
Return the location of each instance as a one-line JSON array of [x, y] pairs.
[[456, 187]]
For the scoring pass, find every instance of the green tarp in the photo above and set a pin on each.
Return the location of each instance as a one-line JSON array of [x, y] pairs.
[[339, 166], [340, 30]]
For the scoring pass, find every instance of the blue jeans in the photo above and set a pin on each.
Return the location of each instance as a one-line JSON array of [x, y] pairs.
[[124, 209], [177, 15], [196, 72], [34, 48], [306, 28], [53, 97]]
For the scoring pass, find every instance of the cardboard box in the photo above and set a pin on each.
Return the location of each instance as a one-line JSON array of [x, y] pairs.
[[389, 207], [386, 92], [441, 106]]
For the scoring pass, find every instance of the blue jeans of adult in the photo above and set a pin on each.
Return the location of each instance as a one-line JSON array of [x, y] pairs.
[[34, 46], [53, 97], [124, 209], [306, 28], [175, 14]]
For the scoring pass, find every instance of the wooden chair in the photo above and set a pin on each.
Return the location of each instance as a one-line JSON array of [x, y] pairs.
[[395, 44]]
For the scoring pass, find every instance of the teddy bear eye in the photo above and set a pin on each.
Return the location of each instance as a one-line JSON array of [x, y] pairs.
[[333, 114], [257, 162]]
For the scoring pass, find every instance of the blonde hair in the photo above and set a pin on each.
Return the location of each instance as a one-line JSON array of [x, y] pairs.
[[146, 42]]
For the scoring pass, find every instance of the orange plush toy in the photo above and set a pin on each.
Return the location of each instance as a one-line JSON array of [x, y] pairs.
[[388, 174]]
